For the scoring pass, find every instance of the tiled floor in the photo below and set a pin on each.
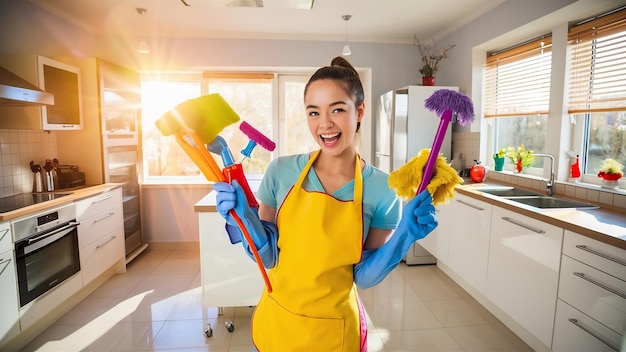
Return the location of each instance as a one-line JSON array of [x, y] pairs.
[[157, 306]]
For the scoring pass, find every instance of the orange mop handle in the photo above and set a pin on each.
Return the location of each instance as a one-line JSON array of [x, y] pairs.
[[255, 253], [201, 156]]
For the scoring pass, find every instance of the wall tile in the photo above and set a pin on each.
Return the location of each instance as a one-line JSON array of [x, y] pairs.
[[17, 149]]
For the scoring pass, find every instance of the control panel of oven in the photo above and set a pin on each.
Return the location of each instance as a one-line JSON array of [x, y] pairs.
[[43, 221]]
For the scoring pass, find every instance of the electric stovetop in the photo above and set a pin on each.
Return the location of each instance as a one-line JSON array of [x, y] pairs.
[[22, 200]]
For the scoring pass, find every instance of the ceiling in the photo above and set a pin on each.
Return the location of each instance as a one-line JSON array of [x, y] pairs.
[[377, 21]]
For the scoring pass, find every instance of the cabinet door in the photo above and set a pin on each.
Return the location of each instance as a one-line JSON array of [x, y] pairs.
[[64, 82], [9, 322], [469, 240], [523, 274], [6, 239], [438, 241]]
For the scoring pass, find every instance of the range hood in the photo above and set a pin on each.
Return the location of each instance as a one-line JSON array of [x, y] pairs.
[[15, 91]]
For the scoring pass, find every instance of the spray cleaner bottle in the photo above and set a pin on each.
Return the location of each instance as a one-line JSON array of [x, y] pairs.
[[575, 170]]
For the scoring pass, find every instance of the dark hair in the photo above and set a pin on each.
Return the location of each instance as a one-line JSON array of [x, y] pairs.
[[341, 70]]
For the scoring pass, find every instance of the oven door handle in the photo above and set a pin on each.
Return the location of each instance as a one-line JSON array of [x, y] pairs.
[[69, 226]]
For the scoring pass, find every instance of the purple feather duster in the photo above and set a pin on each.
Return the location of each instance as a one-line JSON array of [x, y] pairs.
[[444, 102], [446, 99]]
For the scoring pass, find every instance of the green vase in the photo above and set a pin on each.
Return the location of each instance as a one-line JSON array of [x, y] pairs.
[[499, 163]]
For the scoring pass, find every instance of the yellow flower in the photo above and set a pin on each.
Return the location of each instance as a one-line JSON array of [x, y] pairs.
[[521, 153], [500, 154]]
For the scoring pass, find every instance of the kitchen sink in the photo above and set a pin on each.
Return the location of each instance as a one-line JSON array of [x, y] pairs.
[[509, 192], [548, 202]]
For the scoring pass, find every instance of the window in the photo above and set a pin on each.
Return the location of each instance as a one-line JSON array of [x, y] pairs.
[[597, 94], [517, 94], [272, 103]]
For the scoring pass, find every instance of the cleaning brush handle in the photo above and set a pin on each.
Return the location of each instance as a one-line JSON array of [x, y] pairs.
[[255, 253], [446, 117]]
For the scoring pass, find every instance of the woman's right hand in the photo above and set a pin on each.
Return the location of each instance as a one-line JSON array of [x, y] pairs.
[[228, 199]]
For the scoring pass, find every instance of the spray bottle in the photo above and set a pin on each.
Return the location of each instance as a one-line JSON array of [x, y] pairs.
[[575, 170]]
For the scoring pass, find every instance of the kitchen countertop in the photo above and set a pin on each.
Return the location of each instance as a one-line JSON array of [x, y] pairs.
[[602, 224], [74, 194]]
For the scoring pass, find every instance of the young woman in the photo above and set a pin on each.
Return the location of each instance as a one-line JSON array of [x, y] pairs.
[[325, 225]]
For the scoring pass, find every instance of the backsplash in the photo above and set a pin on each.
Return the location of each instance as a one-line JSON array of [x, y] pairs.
[[17, 149]]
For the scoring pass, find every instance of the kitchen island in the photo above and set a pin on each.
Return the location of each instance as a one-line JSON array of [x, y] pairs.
[[229, 277]]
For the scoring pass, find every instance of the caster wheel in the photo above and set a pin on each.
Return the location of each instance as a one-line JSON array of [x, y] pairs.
[[229, 325], [208, 331]]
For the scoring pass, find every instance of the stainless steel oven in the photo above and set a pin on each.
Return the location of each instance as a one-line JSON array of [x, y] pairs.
[[46, 251]]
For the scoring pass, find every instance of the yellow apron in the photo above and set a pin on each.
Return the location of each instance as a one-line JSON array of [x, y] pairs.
[[314, 304]]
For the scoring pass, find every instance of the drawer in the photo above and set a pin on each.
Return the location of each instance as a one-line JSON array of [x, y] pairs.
[[6, 239], [96, 204], [604, 257], [576, 332], [97, 226], [593, 292], [101, 255]]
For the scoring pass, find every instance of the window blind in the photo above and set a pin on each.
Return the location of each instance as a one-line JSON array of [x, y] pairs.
[[517, 81], [598, 65]]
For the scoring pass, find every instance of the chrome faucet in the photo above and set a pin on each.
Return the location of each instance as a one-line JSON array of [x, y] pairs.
[[550, 182]]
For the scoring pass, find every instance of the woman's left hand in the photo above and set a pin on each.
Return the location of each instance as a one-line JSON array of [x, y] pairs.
[[418, 216]]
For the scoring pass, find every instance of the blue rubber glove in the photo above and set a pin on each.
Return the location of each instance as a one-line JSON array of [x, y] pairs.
[[264, 234], [418, 220]]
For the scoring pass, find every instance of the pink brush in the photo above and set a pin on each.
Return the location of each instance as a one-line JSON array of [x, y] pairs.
[[256, 137], [445, 102], [234, 171]]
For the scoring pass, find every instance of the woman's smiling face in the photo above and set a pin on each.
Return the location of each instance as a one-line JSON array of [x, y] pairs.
[[332, 116]]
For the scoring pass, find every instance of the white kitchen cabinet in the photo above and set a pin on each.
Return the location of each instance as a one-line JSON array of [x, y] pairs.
[[53, 76], [469, 239], [9, 305], [523, 271], [591, 314], [437, 242], [100, 233], [229, 277]]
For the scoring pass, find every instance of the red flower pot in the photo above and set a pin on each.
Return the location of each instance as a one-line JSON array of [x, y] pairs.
[[428, 81]]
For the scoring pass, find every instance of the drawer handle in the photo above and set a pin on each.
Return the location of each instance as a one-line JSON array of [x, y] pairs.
[[470, 205], [527, 227], [104, 217], [4, 233], [599, 284], [600, 254], [590, 332], [101, 200], [8, 261], [104, 244]]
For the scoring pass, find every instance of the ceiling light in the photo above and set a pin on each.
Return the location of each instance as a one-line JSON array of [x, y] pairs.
[[143, 46], [346, 48]]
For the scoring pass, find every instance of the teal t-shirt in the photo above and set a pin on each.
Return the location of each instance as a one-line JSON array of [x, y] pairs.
[[381, 207]]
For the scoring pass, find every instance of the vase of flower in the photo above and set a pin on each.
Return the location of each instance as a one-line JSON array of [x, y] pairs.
[[520, 157], [498, 159], [431, 57], [610, 172], [428, 81]]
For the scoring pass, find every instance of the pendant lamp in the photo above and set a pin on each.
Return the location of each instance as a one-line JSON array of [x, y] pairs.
[[143, 46], [346, 48]]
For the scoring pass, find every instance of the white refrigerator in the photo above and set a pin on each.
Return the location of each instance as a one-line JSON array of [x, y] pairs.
[[404, 127]]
